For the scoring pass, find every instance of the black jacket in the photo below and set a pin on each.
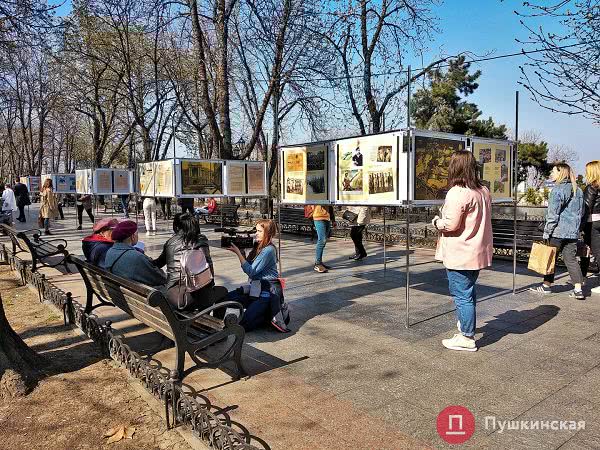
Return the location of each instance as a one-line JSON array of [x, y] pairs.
[[21, 195], [171, 256], [591, 201]]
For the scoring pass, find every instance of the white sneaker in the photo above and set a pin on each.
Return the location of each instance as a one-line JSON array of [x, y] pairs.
[[461, 343], [596, 290]]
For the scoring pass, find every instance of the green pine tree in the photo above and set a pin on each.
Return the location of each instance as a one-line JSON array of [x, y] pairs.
[[441, 105]]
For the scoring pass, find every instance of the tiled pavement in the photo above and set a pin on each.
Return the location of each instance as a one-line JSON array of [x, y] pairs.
[[350, 375]]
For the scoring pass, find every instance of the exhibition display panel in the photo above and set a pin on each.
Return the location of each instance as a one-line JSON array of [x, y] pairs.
[[305, 173], [197, 178], [63, 183], [246, 178], [367, 169], [83, 181], [390, 168]]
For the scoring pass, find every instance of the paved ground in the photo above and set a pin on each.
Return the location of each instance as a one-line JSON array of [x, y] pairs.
[[350, 375]]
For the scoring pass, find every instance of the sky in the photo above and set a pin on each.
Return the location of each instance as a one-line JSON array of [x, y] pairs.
[[486, 26], [491, 25]]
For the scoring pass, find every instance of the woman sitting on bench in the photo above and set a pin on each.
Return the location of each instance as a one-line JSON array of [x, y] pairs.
[[262, 297]]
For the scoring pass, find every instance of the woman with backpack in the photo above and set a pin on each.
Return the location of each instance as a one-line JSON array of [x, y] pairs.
[[187, 239], [591, 216], [262, 297], [561, 230]]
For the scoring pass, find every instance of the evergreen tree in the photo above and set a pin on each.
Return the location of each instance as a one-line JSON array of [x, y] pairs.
[[441, 106]]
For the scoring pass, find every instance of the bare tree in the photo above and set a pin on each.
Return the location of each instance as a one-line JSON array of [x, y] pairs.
[[565, 76]]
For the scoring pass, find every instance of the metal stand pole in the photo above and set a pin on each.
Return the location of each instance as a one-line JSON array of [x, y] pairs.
[[384, 246], [408, 163], [516, 199], [278, 214]]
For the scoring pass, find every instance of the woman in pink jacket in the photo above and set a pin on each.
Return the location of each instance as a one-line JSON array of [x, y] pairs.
[[465, 242]]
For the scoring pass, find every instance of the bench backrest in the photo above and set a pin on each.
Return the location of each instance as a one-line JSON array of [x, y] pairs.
[[527, 232], [144, 303], [294, 214]]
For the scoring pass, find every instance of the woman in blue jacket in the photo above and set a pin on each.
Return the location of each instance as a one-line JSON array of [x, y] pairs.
[[563, 218], [262, 298]]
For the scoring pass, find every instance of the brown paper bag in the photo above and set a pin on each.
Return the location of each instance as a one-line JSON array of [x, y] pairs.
[[542, 258]]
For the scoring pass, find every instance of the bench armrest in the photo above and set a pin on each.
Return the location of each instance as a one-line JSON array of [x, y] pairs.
[[204, 312], [60, 244]]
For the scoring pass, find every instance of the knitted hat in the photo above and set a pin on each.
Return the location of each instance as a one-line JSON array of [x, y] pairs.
[[104, 224], [123, 230]]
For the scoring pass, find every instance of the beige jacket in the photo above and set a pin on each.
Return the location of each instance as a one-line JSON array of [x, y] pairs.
[[49, 205]]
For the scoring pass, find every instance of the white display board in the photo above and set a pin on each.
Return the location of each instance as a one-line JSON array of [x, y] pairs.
[[164, 178], [365, 170], [145, 179], [63, 183], [246, 178], [83, 181], [306, 171]]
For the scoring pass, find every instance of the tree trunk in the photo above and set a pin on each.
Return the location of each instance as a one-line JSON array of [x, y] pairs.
[[18, 373]]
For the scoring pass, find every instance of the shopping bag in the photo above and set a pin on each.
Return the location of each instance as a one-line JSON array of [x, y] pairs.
[[542, 258]]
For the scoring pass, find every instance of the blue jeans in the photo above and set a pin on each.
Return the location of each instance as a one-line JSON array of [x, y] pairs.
[[323, 228], [461, 284]]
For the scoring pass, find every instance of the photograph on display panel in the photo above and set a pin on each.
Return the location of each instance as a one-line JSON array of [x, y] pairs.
[[493, 160], [432, 157], [35, 184], [146, 179], [201, 178], [236, 178], [367, 169], [256, 174], [65, 184], [163, 176]]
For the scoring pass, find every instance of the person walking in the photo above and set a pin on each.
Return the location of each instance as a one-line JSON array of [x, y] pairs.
[[591, 216], [465, 243], [84, 201], [125, 204], [323, 218], [561, 230], [165, 207], [49, 206], [22, 199], [363, 217], [9, 203], [149, 207]]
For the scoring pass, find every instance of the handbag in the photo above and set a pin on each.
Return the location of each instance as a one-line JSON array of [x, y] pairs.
[[542, 258], [349, 216], [583, 250]]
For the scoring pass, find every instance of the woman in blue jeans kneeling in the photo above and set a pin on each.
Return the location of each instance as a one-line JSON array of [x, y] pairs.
[[262, 298], [465, 242]]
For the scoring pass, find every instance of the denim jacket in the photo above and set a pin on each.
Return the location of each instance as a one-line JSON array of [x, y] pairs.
[[564, 212]]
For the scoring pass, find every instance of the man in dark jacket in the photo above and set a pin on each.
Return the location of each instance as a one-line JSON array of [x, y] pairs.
[[95, 246], [22, 199], [124, 260]]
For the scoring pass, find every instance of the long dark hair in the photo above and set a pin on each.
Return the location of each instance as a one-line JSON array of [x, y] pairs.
[[187, 226], [463, 170]]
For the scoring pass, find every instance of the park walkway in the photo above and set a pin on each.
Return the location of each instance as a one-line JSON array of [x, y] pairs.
[[350, 375]]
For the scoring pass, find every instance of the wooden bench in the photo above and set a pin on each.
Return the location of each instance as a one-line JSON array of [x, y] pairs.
[[503, 233], [192, 332], [293, 221], [226, 215], [40, 249]]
